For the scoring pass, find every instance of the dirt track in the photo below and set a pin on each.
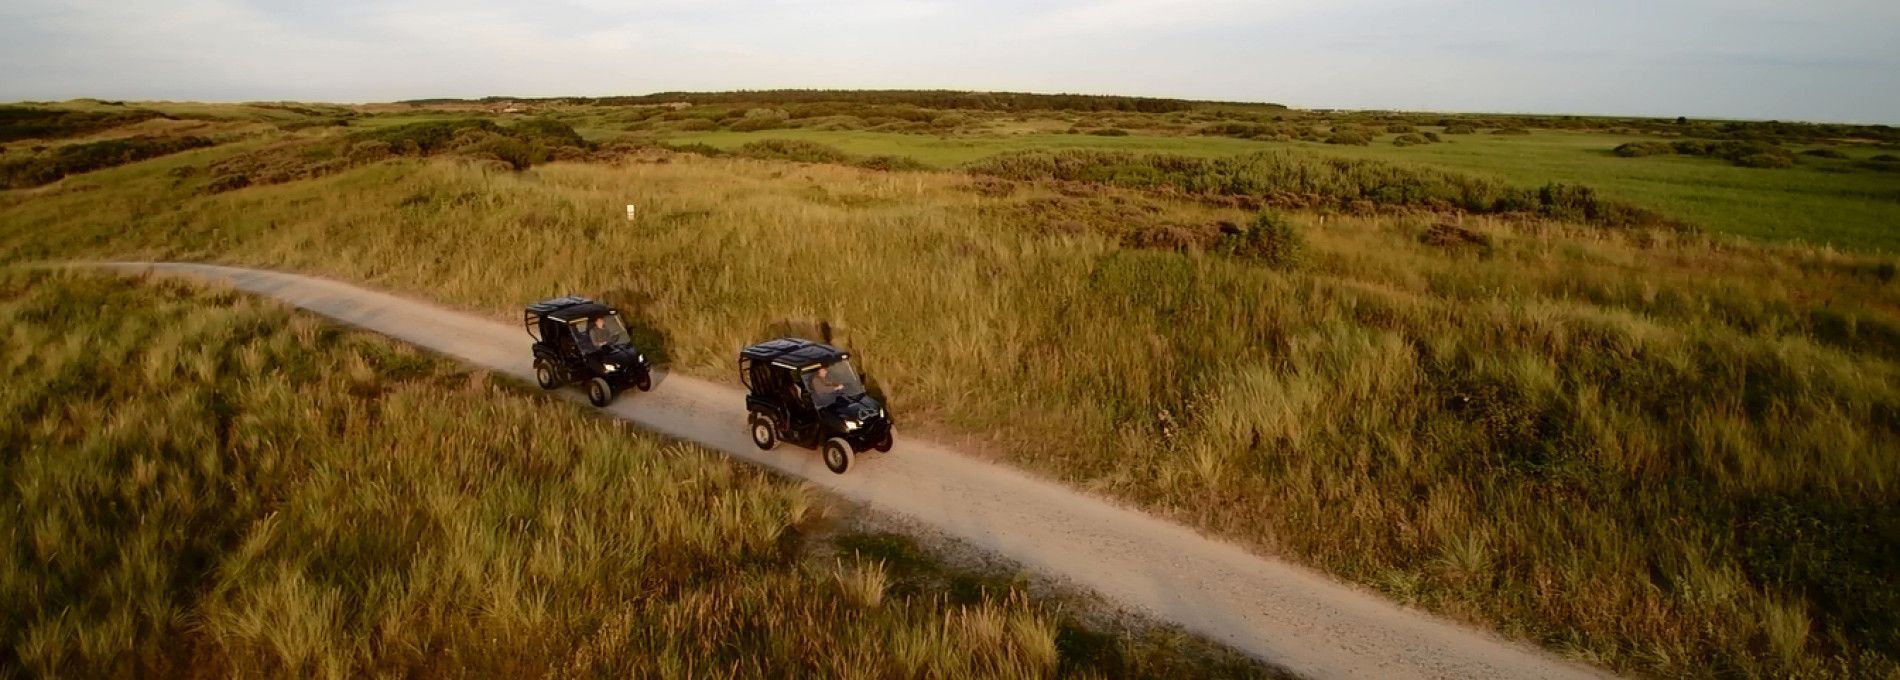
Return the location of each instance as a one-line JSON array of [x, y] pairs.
[[1287, 615]]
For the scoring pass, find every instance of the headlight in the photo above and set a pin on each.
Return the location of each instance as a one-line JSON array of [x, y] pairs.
[[610, 367], [641, 357], [851, 425]]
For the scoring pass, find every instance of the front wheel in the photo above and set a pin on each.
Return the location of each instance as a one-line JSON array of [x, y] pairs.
[[645, 383], [838, 455], [599, 392], [544, 374], [890, 440], [764, 432]]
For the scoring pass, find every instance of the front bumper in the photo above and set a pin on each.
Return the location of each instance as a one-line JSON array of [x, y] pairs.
[[869, 435]]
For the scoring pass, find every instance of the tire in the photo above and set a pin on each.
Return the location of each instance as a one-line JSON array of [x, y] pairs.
[[544, 374], [599, 392], [890, 440], [838, 455], [645, 383], [764, 432]]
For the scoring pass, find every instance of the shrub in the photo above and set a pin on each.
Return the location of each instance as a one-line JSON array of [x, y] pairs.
[[1270, 240], [890, 163], [1825, 153], [695, 125], [1109, 132], [1433, 137], [760, 119], [1350, 137], [1295, 180], [1510, 131], [73, 159], [1460, 129], [30, 122], [694, 148], [369, 151], [1765, 160], [793, 150], [1640, 149], [1409, 140], [1400, 128]]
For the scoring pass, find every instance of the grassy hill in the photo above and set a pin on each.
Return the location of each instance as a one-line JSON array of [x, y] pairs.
[[1642, 443], [203, 485]]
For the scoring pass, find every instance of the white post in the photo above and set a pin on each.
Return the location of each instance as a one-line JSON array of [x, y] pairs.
[[629, 212]]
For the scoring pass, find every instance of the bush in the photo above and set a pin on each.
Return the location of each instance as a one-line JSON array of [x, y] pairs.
[[793, 150], [29, 122], [1409, 140], [1510, 131], [1109, 132], [1765, 160], [1270, 240], [890, 163], [1349, 137], [1460, 129], [760, 119], [1433, 137], [1293, 180], [1640, 149], [73, 159], [1400, 128], [1825, 153]]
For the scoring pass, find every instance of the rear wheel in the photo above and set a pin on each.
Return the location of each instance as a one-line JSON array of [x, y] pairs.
[[599, 392], [764, 432], [544, 374], [838, 455]]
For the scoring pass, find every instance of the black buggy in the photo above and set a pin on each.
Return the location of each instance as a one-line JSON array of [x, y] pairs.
[[806, 393], [580, 340]]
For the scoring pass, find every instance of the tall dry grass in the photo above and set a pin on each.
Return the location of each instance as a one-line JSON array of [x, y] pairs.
[[1663, 452], [200, 484]]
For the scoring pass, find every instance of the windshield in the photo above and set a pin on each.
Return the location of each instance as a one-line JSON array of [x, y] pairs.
[[831, 382], [599, 332]]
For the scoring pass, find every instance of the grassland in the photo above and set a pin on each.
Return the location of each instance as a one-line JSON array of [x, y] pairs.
[[1857, 210], [1669, 453], [205, 485]]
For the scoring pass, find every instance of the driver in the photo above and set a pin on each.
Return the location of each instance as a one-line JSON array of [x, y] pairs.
[[824, 385], [596, 332]]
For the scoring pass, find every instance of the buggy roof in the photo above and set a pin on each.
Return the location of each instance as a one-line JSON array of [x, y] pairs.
[[795, 353], [569, 308]]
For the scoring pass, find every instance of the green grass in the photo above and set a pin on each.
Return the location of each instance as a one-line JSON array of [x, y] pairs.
[[1854, 210], [203, 484], [1658, 452]]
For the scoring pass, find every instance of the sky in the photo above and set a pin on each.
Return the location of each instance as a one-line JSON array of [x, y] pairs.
[[1819, 60]]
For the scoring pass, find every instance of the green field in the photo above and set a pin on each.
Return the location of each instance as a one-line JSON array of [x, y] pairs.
[[1852, 210]]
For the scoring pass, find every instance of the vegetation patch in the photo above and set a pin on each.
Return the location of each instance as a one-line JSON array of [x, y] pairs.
[[72, 159], [515, 147], [32, 122], [1298, 180]]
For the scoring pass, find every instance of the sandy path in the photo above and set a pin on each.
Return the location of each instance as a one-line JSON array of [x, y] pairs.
[[1287, 615]]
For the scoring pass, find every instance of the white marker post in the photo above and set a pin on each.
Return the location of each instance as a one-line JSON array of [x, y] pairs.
[[629, 212]]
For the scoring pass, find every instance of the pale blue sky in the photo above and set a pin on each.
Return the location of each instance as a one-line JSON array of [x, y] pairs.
[[1815, 60]]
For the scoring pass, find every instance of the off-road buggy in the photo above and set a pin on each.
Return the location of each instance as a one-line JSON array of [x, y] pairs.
[[805, 392], [580, 340]]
